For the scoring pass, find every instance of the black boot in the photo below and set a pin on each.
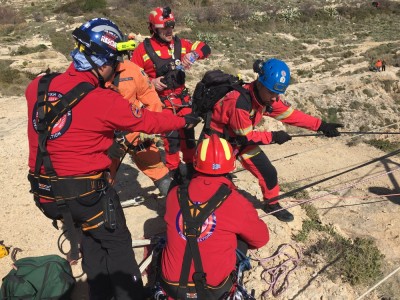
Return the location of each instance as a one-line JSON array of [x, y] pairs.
[[282, 215], [163, 184], [176, 177], [189, 171]]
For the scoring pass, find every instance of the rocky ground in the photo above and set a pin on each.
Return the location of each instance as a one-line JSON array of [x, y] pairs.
[[352, 203]]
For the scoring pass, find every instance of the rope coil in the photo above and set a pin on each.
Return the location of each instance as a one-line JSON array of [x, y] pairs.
[[277, 276]]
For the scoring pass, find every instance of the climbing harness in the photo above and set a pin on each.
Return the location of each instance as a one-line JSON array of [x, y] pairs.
[[49, 185], [153, 258], [194, 215], [241, 292]]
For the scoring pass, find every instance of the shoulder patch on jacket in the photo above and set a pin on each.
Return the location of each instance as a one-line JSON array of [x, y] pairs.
[[136, 111], [126, 79]]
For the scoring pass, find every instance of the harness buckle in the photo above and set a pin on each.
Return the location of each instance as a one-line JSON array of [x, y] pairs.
[[141, 147]]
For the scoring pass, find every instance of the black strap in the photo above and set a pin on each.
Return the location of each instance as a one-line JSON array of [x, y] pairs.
[[158, 61], [194, 215], [208, 116], [116, 78], [48, 116]]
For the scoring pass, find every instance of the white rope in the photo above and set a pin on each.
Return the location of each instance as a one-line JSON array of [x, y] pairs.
[[332, 143], [379, 283], [341, 188]]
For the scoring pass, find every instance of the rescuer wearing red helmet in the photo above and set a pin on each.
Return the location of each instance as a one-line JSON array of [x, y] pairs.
[[165, 57], [224, 220]]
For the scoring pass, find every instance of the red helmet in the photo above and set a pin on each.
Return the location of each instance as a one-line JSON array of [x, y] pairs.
[[161, 17], [214, 155]]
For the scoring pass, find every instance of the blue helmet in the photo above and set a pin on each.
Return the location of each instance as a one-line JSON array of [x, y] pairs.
[[99, 37], [274, 74]]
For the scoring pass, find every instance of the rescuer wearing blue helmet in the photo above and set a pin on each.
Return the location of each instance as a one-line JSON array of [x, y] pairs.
[[238, 115], [69, 158], [274, 74]]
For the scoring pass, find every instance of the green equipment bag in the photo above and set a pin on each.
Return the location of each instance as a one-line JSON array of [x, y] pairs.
[[44, 277]]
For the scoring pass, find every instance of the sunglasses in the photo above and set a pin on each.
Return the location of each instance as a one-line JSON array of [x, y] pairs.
[[280, 87], [169, 24]]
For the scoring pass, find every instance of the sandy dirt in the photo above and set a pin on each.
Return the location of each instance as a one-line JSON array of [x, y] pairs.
[[350, 202], [358, 203]]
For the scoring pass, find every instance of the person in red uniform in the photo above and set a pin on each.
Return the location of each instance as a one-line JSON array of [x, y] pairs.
[[67, 170], [235, 219], [164, 57], [237, 116]]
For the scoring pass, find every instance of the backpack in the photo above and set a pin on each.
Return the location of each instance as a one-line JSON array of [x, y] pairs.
[[214, 85], [44, 277]]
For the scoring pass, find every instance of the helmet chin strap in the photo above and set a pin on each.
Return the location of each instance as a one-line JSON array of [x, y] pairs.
[[258, 98], [96, 69]]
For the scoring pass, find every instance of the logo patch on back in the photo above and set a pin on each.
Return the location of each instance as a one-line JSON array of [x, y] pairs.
[[62, 124], [206, 230]]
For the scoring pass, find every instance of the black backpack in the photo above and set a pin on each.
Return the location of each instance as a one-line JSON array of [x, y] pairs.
[[214, 85]]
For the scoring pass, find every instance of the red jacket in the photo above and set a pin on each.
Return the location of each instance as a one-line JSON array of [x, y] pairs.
[[241, 116], [235, 217], [142, 59], [82, 136]]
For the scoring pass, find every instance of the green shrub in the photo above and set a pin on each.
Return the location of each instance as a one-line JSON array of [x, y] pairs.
[[356, 261], [13, 81], [355, 105], [62, 42], [7, 75], [9, 15], [78, 6], [388, 85], [286, 187], [23, 50], [93, 5], [384, 145], [368, 92], [340, 88], [328, 92]]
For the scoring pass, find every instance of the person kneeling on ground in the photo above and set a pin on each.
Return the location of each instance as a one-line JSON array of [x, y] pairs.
[[200, 254]]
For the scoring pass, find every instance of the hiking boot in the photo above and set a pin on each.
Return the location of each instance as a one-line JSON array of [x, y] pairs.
[[163, 184], [176, 176], [282, 215], [189, 171]]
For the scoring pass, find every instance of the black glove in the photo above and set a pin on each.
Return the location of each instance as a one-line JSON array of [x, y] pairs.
[[330, 129], [280, 137], [191, 120], [116, 150]]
